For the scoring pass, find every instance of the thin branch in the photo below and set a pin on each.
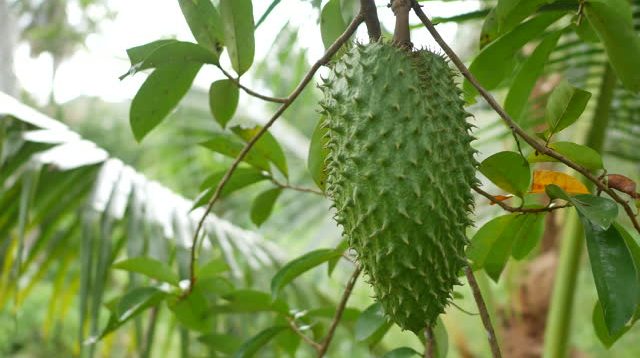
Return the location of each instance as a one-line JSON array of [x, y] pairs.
[[484, 313], [296, 188], [370, 11], [351, 29], [250, 91], [512, 209], [315, 345], [533, 142], [339, 311], [430, 343]]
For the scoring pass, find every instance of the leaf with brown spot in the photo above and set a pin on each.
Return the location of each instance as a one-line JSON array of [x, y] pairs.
[[542, 178]]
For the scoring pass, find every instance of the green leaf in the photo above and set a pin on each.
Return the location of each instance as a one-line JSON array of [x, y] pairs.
[[204, 22], [132, 304], [246, 301], [509, 171], [634, 248], [442, 339], [223, 100], [370, 321], [526, 78], [503, 51], [238, 25], [213, 268], [139, 53], [251, 347], [579, 154], [612, 22], [174, 53], [241, 178], [402, 352], [564, 106], [230, 147], [349, 314], [614, 274], [509, 13], [342, 247], [159, 95], [192, 310], [299, 266], [263, 205], [211, 287], [601, 329], [600, 211], [318, 152], [529, 233], [267, 146], [149, 267], [219, 342], [332, 24], [482, 243]]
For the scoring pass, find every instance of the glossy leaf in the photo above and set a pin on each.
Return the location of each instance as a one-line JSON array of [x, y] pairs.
[[508, 170], [204, 22], [526, 78], [503, 51], [318, 152], [149, 267], [371, 320], [263, 205], [482, 243], [564, 106], [299, 266], [255, 343], [600, 211], [159, 95], [219, 342], [192, 310], [238, 25], [223, 100], [544, 178], [614, 274], [230, 147], [602, 331], [577, 153], [332, 24], [402, 352], [246, 301], [174, 53], [611, 19], [267, 146], [505, 16], [139, 53], [529, 230]]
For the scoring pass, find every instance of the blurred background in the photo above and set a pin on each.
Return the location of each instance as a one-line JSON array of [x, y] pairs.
[[63, 58]]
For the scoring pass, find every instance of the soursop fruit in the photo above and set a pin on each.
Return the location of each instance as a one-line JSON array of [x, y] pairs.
[[399, 171]]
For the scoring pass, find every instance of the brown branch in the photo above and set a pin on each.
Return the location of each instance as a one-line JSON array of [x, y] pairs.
[[484, 313], [533, 142], [296, 188], [315, 345], [430, 343], [512, 209], [370, 11], [250, 91], [351, 29], [339, 311]]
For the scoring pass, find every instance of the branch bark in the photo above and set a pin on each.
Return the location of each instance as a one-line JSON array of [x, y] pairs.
[[484, 313], [250, 91], [351, 29], [512, 209], [370, 13], [533, 142], [339, 311]]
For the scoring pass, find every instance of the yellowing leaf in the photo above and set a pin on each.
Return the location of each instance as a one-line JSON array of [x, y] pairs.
[[542, 178]]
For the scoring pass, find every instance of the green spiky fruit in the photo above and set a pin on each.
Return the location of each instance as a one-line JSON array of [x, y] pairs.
[[399, 170]]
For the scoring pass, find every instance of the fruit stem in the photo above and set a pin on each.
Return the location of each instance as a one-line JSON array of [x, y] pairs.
[[401, 34]]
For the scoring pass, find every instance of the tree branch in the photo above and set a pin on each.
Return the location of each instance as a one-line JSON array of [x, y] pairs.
[[430, 343], [512, 209], [339, 311], [484, 313], [351, 29], [315, 345], [250, 91], [533, 142], [296, 188], [370, 12]]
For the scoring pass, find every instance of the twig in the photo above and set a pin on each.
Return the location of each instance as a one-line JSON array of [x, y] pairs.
[[512, 209], [430, 343], [339, 311], [484, 313], [370, 11], [250, 91], [296, 188], [533, 142], [351, 29], [315, 345]]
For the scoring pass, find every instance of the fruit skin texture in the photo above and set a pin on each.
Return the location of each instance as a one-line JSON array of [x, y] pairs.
[[399, 171]]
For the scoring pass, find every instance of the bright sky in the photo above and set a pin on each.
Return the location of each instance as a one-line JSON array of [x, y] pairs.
[[94, 71]]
